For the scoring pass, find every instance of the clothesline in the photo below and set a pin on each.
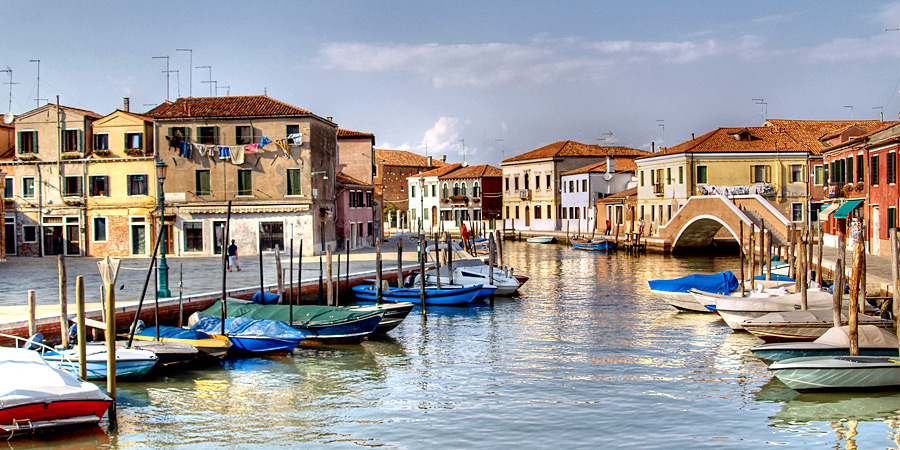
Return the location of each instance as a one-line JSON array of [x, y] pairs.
[[235, 153]]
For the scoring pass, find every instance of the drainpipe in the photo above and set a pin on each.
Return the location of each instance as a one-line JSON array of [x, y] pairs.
[[40, 209]]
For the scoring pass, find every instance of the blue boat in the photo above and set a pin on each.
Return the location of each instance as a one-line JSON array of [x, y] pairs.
[[433, 296], [322, 324], [676, 291], [597, 245], [254, 335], [130, 363]]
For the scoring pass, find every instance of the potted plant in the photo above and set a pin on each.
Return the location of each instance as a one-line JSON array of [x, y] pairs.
[[134, 152], [476, 199], [848, 188], [102, 153], [71, 155], [8, 201], [860, 186], [28, 157]]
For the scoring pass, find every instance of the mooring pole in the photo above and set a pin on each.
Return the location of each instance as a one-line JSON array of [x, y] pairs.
[[378, 264], [858, 261], [180, 294], [741, 249], [225, 265], [63, 294], [895, 275], [32, 307], [82, 330], [422, 271], [329, 274], [400, 263]]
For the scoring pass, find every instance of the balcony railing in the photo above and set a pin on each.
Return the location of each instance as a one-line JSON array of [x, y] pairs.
[[836, 189], [459, 199], [659, 189], [524, 194]]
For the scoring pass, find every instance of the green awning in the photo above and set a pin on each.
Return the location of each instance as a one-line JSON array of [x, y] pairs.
[[845, 209]]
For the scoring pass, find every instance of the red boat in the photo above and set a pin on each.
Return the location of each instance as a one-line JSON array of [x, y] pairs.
[[34, 395]]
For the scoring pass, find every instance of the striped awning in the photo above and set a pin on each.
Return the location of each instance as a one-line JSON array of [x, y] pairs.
[[845, 209], [828, 209]]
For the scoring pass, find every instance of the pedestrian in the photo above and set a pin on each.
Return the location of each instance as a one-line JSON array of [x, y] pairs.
[[233, 257], [608, 227], [641, 226]]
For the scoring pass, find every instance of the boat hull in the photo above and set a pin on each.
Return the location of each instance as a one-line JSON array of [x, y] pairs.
[[257, 345], [56, 410], [210, 347], [433, 296], [541, 240], [597, 246], [394, 313], [348, 332], [129, 363], [780, 352], [838, 373], [681, 300], [791, 332]]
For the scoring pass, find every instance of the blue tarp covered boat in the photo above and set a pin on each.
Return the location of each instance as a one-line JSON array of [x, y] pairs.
[[675, 291], [254, 335], [433, 296]]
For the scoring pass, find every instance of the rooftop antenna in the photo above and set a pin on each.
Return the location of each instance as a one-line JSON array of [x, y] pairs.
[[177, 81], [166, 72], [210, 78], [606, 135], [760, 101], [10, 83], [38, 99], [190, 70], [882, 111], [426, 148], [662, 123], [227, 90], [851, 110], [213, 84]]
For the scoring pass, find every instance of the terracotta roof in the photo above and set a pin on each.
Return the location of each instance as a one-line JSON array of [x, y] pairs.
[[440, 171], [620, 165], [238, 106], [808, 133], [404, 158], [479, 171], [576, 149], [622, 195], [344, 133], [136, 115], [347, 180], [7, 125], [159, 108], [83, 112]]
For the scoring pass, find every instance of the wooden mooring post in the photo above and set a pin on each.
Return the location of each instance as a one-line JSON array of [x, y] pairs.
[[422, 257], [111, 351], [752, 254], [63, 308], [400, 263], [741, 249], [329, 274], [768, 235], [82, 329], [32, 307], [895, 276], [859, 260]]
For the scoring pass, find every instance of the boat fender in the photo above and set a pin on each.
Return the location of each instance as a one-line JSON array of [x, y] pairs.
[[34, 342]]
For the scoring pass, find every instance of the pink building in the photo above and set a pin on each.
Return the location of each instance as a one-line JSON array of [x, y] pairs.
[[355, 211]]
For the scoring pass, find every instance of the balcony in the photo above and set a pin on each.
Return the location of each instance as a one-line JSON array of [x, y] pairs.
[[459, 199], [659, 189], [837, 189], [524, 194]]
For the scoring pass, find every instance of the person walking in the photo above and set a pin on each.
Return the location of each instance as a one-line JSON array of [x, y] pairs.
[[608, 227], [233, 257]]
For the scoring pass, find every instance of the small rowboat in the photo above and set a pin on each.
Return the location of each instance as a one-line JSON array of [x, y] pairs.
[[433, 296], [873, 341], [130, 363], [597, 245], [541, 240]]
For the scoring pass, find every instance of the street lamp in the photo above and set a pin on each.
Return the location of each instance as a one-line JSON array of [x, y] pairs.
[[163, 267]]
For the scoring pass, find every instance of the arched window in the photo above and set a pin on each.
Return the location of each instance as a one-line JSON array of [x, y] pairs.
[[463, 189], [537, 211], [456, 188], [444, 193], [476, 191]]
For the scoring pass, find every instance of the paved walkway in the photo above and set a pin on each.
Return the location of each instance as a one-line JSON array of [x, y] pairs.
[[200, 275]]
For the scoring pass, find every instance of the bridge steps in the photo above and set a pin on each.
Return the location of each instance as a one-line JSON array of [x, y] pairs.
[[778, 239]]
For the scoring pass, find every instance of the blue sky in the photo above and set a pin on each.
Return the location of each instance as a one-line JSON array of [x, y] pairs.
[[504, 77]]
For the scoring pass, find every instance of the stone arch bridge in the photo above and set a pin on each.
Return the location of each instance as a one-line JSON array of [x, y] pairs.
[[704, 216]]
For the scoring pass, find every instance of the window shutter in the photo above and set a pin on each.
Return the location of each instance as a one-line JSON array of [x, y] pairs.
[[215, 135], [126, 140], [62, 139], [768, 174], [80, 134], [20, 141], [752, 174], [171, 132]]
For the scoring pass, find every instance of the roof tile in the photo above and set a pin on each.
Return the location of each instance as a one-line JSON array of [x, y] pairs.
[[405, 158], [575, 149], [237, 106]]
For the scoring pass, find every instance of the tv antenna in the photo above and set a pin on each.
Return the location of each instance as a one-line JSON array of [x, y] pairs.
[[760, 101], [10, 83], [38, 99], [606, 136]]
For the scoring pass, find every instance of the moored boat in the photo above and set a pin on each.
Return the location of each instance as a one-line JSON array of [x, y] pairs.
[[541, 240], [203, 342], [35, 395], [130, 363], [468, 271], [676, 291], [394, 313], [598, 245], [818, 373], [802, 325], [433, 296], [250, 335], [873, 341]]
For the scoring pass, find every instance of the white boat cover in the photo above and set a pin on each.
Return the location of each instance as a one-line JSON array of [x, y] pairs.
[[757, 304], [869, 336], [810, 316], [27, 378]]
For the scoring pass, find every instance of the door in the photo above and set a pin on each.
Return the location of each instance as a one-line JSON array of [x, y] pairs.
[[874, 241], [9, 236], [53, 240], [352, 236], [217, 236], [527, 216], [138, 239], [73, 240]]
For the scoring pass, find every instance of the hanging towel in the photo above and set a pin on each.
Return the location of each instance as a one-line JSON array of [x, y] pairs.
[[237, 154], [296, 138], [202, 150], [284, 146], [252, 148], [263, 141], [224, 153], [188, 150]]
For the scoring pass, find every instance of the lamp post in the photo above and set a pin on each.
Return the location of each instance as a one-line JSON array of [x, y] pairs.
[[163, 267]]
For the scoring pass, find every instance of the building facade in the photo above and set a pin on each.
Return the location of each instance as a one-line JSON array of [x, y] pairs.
[[392, 168], [354, 219], [582, 187]]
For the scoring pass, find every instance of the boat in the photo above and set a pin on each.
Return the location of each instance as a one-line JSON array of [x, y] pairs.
[[34, 395], [838, 373], [433, 295], [676, 291], [541, 240], [778, 268], [734, 310], [486, 291], [322, 324], [250, 335], [802, 325], [167, 353], [468, 271], [205, 344], [873, 341], [597, 245], [394, 313], [130, 363]]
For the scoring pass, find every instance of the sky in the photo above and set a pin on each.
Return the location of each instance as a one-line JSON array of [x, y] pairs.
[[482, 81]]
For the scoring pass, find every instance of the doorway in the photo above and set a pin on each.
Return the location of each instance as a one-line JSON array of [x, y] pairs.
[[218, 236], [874, 240], [9, 236], [527, 216]]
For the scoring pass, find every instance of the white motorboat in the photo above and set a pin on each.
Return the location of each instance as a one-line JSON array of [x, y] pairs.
[[735, 310], [803, 325], [541, 240], [873, 341], [838, 373], [468, 270]]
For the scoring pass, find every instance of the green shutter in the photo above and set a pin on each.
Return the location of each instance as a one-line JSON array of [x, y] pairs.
[[20, 141], [215, 135], [80, 134]]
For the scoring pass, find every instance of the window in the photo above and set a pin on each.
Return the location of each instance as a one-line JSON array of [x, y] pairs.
[[796, 173], [642, 178], [819, 176], [892, 218], [565, 212], [571, 185], [680, 174], [99, 185], [759, 173], [201, 182], [245, 182], [291, 129], [445, 190], [29, 234], [369, 201], [814, 211], [701, 176], [891, 170], [208, 135], [72, 186], [577, 213], [412, 191], [507, 186], [860, 170], [537, 181], [797, 212], [652, 177], [28, 187], [98, 225], [71, 141], [8, 187], [180, 133], [134, 141], [537, 212], [243, 135], [873, 176], [476, 189], [425, 214], [669, 175], [137, 184], [464, 189], [507, 212], [527, 178], [193, 236], [294, 182], [548, 182], [270, 235], [28, 142], [584, 185], [101, 141], [517, 211], [516, 183], [849, 168]]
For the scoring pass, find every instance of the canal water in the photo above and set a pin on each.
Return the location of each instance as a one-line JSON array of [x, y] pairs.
[[585, 358]]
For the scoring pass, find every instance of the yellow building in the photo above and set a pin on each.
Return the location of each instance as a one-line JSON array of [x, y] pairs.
[[121, 186]]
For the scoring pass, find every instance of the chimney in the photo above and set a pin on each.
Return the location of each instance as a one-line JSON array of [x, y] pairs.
[[692, 136], [127, 104], [652, 147], [443, 158], [330, 119], [429, 161], [610, 165]]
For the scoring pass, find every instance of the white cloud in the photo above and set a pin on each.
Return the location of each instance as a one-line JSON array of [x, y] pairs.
[[444, 137], [540, 61], [884, 44]]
